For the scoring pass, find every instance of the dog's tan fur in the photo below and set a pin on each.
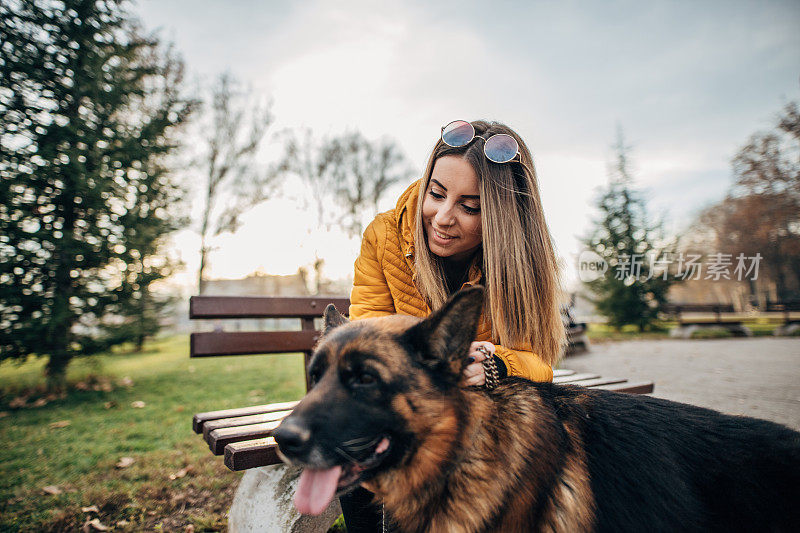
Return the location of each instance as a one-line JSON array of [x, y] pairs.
[[525, 456]]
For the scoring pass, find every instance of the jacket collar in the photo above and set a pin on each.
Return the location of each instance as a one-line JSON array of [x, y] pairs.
[[405, 222]]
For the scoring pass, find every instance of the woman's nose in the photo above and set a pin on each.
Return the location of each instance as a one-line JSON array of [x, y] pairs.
[[444, 216]]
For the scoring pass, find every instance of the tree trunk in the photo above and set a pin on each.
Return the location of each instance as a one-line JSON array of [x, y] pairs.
[[56, 370], [201, 282]]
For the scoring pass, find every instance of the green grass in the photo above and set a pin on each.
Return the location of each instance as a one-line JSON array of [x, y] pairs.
[[80, 457], [760, 327], [605, 333], [711, 333]]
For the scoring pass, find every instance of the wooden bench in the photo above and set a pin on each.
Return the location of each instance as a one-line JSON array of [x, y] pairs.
[[242, 435], [790, 315], [704, 316], [786, 309]]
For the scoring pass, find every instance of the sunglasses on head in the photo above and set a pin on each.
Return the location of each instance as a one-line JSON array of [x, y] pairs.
[[498, 148]]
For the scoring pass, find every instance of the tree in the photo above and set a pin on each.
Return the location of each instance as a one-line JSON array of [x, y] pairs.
[[234, 182], [636, 285], [88, 110], [361, 173], [347, 175], [761, 211]]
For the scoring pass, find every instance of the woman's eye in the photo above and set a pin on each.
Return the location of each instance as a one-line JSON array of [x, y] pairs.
[[472, 210], [436, 195]]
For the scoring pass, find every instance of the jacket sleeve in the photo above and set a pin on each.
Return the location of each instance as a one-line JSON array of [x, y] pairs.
[[524, 364], [370, 296]]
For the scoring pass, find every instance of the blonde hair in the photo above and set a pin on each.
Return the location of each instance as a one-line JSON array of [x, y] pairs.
[[517, 255]]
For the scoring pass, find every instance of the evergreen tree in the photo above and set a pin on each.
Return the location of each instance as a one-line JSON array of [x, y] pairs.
[[635, 286], [88, 109]]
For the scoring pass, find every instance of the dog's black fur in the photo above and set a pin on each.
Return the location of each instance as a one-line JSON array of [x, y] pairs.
[[526, 456]]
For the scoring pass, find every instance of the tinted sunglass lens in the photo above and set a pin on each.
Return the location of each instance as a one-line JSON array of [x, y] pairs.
[[501, 148], [458, 133]]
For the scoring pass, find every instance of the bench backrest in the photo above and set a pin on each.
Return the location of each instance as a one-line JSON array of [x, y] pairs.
[[699, 308], [216, 343], [675, 310]]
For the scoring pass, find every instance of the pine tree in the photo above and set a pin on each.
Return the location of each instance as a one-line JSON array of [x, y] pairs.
[[88, 109], [635, 286]]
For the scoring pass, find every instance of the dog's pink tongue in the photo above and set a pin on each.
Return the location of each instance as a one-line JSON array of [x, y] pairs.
[[315, 489]]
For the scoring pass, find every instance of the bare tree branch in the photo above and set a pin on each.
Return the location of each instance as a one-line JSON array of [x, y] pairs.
[[234, 181]]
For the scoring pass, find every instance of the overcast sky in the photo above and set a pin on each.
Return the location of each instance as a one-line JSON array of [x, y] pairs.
[[688, 82]]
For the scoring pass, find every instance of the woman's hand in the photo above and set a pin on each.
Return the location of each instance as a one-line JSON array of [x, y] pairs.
[[473, 374]]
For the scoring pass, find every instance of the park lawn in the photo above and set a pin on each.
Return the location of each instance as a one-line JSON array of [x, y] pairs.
[[74, 442], [604, 333]]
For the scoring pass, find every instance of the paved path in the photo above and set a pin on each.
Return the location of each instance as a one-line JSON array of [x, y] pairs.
[[756, 377]]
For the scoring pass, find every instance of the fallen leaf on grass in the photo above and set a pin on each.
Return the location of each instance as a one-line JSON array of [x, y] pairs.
[[3, 414], [188, 529], [52, 490], [125, 462], [110, 405], [41, 402], [122, 523], [126, 382], [82, 385], [18, 402], [60, 424], [94, 524], [181, 473], [138, 404], [90, 509]]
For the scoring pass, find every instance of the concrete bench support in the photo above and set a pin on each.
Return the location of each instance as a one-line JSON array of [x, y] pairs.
[[263, 503], [684, 331]]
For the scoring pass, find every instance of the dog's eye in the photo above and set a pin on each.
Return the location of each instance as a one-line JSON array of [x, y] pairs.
[[364, 379]]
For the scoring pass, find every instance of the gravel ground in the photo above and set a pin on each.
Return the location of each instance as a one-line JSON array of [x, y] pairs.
[[757, 377]]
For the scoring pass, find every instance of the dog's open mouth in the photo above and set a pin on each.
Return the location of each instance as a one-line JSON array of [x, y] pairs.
[[317, 488]]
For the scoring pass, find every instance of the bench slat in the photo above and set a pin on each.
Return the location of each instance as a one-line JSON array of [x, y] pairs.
[[575, 377], [600, 381], [251, 342], [219, 438], [245, 447], [261, 418], [558, 372], [632, 387], [201, 418], [251, 454], [261, 307]]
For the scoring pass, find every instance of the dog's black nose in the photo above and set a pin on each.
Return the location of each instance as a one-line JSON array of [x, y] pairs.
[[293, 439]]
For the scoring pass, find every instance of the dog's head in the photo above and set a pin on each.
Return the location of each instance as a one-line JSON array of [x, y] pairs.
[[378, 389]]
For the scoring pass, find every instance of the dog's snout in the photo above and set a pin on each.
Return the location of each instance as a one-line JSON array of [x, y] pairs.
[[293, 438]]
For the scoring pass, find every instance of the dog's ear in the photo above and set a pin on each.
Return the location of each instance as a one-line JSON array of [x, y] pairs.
[[443, 338], [332, 318]]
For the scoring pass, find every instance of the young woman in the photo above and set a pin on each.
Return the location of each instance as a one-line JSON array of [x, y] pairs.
[[475, 217]]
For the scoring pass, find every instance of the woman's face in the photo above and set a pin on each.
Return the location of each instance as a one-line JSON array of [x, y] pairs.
[[451, 209]]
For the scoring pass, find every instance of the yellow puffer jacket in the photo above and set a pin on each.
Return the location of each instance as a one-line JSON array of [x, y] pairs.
[[383, 282]]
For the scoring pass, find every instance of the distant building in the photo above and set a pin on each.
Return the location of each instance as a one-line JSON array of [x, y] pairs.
[[259, 284]]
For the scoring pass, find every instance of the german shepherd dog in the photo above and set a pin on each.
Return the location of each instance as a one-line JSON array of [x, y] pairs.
[[386, 411]]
